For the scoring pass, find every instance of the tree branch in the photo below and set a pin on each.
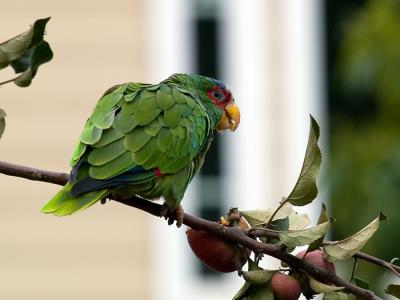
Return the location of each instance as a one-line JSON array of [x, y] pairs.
[[8, 81], [32, 173], [374, 260], [379, 262], [235, 234], [263, 232]]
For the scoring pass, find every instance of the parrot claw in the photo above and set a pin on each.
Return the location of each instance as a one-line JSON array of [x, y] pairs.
[[174, 215]]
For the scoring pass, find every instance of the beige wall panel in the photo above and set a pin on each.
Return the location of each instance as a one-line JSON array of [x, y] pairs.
[[101, 253]]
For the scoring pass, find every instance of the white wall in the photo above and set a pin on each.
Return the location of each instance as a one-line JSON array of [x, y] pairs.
[[272, 62]]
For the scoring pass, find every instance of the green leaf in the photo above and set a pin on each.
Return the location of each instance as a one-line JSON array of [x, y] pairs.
[[254, 292], [304, 236], [338, 296], [361, 283], [257, 276], [279, 225], [2, 121], [348, 247], [26, 52], [394, 290], [305, 190], [242, 292], [323, 217], [41, 53], [320, 287], [252, 265], [298, 221], [259, 217]]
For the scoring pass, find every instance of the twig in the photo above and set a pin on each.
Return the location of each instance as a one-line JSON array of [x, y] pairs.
[[353, 270], [32, 173], [235, 234], [262, 232], [372, 259], [284, 201], [8, 81]]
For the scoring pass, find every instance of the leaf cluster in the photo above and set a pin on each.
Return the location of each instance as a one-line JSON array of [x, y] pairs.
[[24, 53], [290, 229]]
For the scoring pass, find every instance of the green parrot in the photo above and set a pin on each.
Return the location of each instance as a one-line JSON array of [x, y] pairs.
[[146, 140]]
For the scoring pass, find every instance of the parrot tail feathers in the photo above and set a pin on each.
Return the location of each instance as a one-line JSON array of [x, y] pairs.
[[63, 203]]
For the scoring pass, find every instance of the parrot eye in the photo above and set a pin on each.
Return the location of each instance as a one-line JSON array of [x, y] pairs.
[[217, 95]]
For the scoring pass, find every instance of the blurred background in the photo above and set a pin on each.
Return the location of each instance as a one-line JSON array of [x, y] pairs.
[[338, 60]]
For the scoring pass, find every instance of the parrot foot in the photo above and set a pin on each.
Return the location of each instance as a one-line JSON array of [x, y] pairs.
[[174, 215]]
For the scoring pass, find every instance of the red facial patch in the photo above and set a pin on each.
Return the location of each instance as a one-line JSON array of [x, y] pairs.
[[219, 97], [157, 172]]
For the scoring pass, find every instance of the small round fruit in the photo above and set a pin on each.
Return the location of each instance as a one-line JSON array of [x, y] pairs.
[[285, 287], [316, 258], [216, 253]]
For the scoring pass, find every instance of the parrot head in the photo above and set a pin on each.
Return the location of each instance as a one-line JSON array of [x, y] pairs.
[[215, 96]]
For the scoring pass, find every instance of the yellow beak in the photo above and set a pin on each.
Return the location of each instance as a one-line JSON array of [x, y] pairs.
[[230, 119]]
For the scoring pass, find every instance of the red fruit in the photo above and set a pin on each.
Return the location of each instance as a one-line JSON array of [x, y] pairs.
[[285, 287], [316, 258], [216, 253]]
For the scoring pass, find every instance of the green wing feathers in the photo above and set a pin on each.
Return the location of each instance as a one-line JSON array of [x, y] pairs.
[[63, 204], [153, 126]]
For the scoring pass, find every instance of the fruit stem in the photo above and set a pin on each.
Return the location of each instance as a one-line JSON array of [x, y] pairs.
[[353, 271], [283, 202]]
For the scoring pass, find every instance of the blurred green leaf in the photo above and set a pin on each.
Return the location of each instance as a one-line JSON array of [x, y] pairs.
[[259, 217], [279, 224], [254, 292], [303, 237], [2, 121], [298, 221], [320, 287], [256, 218], [247, 288], [348, 247], [40, 55], [26, 52], [260, 292], [252, 265], [305, 190], [257, 276], [242, 292], [338, 296], [361, 283], [394, 290], [323, 217]]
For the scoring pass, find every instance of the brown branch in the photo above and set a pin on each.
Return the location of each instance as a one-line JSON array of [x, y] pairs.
[[372, 259], [8, 81], [262, 232], [230, 233], [32, 173]]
